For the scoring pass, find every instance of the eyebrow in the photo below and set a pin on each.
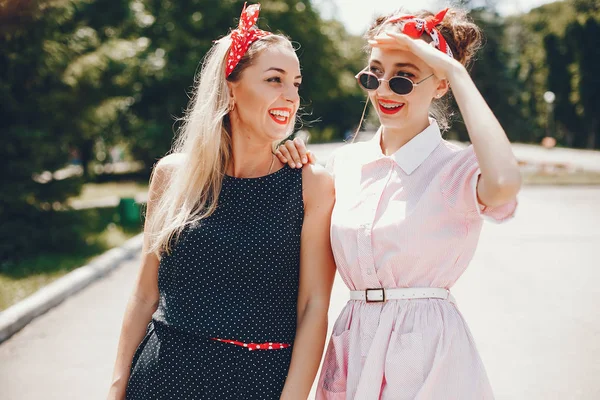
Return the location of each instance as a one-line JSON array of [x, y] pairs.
[[282, 71], [400, 65]]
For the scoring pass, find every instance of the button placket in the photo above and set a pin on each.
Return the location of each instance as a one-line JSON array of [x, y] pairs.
[[368, 211]]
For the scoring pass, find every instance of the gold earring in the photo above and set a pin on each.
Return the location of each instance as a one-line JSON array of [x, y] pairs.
[[231, 106]]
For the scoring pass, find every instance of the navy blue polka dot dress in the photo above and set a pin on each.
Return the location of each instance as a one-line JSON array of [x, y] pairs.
[[234, 276]]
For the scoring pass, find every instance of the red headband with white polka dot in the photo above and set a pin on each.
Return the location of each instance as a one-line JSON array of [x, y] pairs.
[[415, 27], [242, 37]]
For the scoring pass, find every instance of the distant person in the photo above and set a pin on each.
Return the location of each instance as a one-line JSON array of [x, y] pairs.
[[228, 303], [408, 213]]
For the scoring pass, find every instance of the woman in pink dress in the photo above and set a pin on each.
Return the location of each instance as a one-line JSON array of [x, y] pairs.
[[408, 215]]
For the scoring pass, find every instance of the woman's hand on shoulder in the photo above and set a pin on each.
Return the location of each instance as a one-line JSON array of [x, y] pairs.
[[295, 154]]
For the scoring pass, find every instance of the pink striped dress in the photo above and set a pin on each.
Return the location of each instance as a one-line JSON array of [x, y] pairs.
[[411, 219]]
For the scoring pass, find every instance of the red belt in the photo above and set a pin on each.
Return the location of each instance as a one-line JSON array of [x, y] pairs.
[[255, 346]]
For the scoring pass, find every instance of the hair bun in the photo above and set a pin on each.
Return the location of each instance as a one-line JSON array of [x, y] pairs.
[[463, 36]]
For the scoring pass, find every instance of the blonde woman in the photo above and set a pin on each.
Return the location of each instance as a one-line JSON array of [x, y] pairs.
[[408, 213], [229, 304]]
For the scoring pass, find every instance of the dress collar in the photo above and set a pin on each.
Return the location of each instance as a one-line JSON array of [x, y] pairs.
[[410, 156]]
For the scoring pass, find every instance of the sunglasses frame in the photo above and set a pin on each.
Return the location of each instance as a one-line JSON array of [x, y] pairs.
[[379, 80]]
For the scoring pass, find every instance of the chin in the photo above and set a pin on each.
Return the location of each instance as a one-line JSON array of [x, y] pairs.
[[278, 136], [392, 122], [280, 133]]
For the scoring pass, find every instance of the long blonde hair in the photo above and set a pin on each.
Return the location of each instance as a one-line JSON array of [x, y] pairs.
[[205, 141]]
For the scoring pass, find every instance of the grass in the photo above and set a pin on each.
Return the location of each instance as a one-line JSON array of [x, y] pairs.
[[94, 191], [561, 178], [100, 233]]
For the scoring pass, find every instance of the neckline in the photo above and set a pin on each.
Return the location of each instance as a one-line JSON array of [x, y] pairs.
[[235, 178]]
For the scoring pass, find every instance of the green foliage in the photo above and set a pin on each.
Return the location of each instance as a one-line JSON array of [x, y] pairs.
[[554, 48], [57, 82], [584, 41], [495, 79]]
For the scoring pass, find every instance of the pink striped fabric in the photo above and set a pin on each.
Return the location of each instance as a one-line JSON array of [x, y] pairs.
[[407, 220]]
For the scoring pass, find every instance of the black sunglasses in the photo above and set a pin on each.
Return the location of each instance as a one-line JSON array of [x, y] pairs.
[[398, 84]]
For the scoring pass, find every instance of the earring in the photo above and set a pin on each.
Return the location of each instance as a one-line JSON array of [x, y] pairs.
[[231, 106]]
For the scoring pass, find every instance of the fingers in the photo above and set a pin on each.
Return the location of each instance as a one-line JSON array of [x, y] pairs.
[[294, 153], [312, 159], [294, 156], [280, 155], [286, 155], [402, 38], [301, 147], [395, 40]]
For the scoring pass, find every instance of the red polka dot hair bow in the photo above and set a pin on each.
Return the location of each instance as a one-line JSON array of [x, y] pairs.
[[415, 27], [242, 37]]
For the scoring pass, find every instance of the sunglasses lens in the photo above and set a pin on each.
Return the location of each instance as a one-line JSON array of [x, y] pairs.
[[401, 85], [368, 81]]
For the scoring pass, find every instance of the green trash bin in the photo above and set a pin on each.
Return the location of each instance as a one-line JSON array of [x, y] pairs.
[[129, 212]]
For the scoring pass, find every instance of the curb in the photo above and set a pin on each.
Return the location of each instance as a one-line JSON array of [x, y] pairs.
[[19, 315]]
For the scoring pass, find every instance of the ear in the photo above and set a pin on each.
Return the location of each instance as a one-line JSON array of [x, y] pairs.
[[442, 88], [231, 86]]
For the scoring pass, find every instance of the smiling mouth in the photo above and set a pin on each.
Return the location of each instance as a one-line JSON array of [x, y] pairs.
[[389, 107], [280, 115]]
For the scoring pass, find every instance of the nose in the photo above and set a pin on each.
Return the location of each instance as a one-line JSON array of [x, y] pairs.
[[384, 88], [291, 94]]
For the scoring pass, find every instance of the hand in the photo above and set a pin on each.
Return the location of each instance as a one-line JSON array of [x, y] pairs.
[[442, 65], [295, 154]]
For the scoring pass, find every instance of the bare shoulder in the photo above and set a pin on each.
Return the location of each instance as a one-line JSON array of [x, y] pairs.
[[163, 172], [317, 184], [169, 163], [171, 160]]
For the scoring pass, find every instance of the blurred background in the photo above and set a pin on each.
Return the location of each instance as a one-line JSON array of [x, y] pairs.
[[90, 91]]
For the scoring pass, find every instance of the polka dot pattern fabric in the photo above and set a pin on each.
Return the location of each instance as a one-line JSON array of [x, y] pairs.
[[234, 276]]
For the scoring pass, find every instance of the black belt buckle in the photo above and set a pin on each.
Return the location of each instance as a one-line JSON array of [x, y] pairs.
[[375, 301]]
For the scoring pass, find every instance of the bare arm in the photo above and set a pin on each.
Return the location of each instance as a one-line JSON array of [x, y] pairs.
[[500, 179], [144, 299], [317, 271]]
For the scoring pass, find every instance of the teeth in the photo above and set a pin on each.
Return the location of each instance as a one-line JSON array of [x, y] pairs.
[[280, 113], [389, 106]]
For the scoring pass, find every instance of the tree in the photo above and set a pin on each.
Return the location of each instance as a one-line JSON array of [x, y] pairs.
[[63, 85], [559, 81], [495, 79], [584, 39]]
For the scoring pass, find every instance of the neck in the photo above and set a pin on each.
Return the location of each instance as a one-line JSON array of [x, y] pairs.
[[392, 138], [251, 158]]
